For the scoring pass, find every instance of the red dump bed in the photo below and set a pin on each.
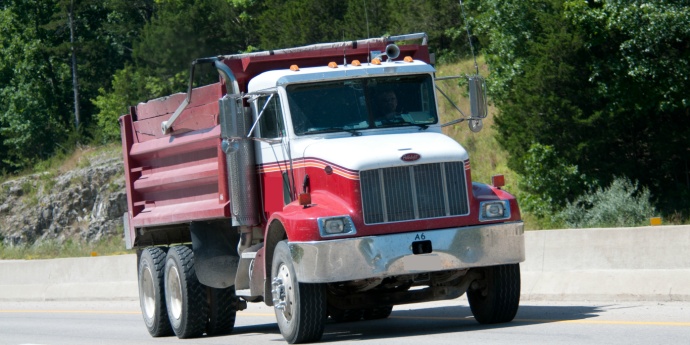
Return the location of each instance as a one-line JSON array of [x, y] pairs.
[[175, 178]]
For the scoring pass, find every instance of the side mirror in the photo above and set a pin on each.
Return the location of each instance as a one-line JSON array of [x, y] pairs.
[[478, 105]]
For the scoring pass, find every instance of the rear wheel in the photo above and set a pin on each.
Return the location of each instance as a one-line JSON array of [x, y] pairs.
[[185, 296], [222, 311], [496, 297], [300, 308], [152, 292]]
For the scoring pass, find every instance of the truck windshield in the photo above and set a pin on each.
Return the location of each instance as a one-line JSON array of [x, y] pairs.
[[358, 104]]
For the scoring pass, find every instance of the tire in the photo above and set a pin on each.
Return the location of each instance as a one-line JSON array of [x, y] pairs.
[[152, 292], [377, 313], [345, 315], [498, 297], [222, 311], [185, 296], [300, 308]]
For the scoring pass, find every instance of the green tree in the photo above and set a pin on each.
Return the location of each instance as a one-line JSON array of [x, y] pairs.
[[442, 20], [639, 67], [177, 32], [129, 87], [286, 24], [549, 182], [183, 30], [603, 83], [32, 84], [36, 110]]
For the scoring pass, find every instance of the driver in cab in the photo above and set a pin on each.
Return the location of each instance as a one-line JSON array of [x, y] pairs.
[[387, 103]]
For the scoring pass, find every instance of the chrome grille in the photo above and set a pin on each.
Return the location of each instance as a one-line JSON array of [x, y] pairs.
[[414, 192]]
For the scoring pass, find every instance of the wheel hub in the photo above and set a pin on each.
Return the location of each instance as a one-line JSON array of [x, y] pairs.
[[283, 292], [174, 292], [148, 293]]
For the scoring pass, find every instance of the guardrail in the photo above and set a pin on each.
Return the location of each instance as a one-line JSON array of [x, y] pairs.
[[622, 264]]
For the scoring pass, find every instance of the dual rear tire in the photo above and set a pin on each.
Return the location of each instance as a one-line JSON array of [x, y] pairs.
[[173, 301]]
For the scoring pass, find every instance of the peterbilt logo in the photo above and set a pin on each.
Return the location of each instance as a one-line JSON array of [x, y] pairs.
[[410, 157]]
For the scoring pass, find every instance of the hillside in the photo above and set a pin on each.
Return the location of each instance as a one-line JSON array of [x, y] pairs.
[[78, 201]]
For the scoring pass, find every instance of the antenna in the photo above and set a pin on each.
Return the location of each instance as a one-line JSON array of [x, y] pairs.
[[469, 37]]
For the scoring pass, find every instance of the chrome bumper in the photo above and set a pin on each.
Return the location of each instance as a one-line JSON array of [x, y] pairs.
[[391, 255]]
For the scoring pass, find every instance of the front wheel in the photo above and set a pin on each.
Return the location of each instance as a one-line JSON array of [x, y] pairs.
[[300, 308], [495, 298]]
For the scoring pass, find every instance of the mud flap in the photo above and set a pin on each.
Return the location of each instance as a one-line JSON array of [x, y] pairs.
[[215, 253]]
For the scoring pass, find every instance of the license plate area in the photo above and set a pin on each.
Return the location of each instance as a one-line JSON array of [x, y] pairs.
[[423, 259], [422, 247]]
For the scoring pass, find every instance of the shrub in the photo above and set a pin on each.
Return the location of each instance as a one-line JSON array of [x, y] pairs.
[[620, 204]]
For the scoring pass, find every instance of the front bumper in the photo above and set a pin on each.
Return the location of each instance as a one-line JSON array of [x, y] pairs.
[[392, 255]]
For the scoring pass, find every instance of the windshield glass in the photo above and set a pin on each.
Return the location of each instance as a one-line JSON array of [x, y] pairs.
[[357, 104]]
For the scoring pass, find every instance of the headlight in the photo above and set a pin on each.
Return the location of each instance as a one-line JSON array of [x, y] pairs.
[[494, 210], [336, 226]]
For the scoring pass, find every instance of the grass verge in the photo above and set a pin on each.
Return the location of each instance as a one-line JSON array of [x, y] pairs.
[[113, 245]]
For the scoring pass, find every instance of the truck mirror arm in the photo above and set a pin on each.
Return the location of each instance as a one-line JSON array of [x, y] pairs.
[[259, 116], [454, 106], [477, 101]]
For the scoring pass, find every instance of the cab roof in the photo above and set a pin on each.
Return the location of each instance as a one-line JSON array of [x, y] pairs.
[[272, 79]]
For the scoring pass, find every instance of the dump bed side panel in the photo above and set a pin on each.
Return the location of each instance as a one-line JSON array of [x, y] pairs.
[[179, 177]]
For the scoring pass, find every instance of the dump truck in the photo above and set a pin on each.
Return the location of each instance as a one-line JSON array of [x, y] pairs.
[[315, 180]]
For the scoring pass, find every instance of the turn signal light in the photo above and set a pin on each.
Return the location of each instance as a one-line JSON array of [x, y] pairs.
[[305, 199], [498, 181]]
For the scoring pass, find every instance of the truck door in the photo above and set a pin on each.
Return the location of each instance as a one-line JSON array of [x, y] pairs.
[[271, 148]]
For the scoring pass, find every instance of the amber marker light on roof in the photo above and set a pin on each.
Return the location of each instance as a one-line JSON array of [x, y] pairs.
[[356, 63], [408, 59], [332, 64], [376, 61], [294, 68]]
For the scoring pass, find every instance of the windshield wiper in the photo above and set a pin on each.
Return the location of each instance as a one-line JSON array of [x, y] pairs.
[[333, 130], [403, 123]]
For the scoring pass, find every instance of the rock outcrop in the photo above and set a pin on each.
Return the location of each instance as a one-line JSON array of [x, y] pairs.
[[82, 204]]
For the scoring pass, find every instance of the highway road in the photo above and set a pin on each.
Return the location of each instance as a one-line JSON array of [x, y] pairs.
[[446, 322]]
